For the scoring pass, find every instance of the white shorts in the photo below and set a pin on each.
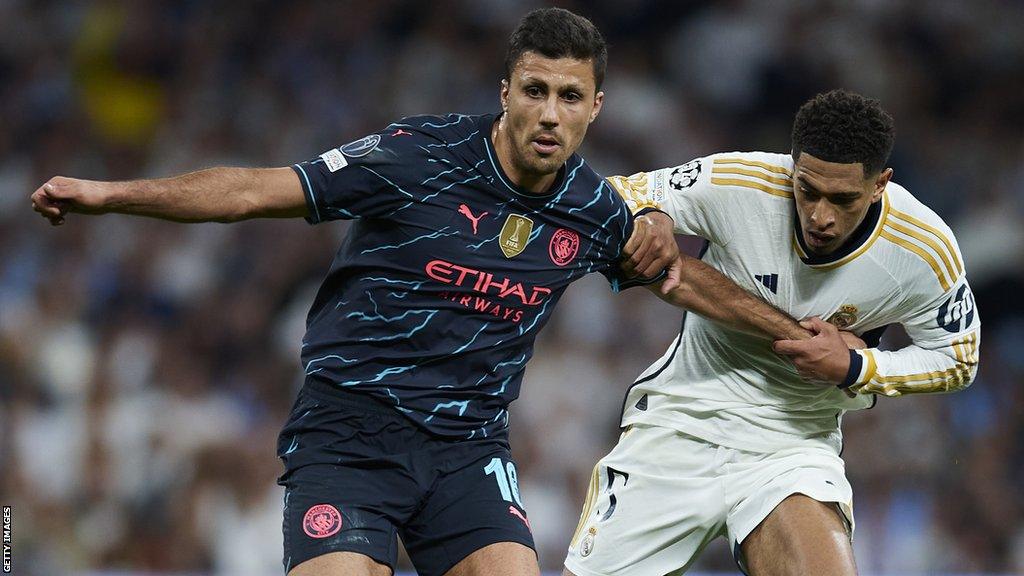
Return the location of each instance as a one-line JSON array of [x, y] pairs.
[[661, 496]]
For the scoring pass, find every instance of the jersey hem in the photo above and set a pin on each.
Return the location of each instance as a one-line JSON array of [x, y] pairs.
[[753, 442]]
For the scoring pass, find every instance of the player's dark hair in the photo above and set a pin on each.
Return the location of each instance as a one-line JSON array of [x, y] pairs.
[[558, 33], [844, 127]]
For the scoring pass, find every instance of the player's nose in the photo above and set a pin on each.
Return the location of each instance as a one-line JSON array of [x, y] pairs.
[[549, 113], [822, 217]]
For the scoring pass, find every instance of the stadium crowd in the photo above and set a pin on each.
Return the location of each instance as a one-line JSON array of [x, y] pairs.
[[146, 367]]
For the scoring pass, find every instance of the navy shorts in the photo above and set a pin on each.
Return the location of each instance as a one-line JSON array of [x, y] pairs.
[[358, 474]]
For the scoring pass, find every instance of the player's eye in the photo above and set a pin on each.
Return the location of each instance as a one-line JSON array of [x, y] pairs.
[[534, 92], [571, 97], [808, 195]]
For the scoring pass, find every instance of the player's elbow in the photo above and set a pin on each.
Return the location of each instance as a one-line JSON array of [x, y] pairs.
[[966, 374]]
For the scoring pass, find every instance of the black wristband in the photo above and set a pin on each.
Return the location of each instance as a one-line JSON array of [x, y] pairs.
[[856, 363], [648, 210]]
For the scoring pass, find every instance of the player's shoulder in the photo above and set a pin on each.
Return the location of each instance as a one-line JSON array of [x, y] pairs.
[[906, 207], [924, 250], [447, 128], [773, 162], [583, 176], [765, 174], [761, 174]]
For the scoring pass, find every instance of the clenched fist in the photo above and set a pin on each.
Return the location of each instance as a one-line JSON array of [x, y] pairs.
[[61, 195]]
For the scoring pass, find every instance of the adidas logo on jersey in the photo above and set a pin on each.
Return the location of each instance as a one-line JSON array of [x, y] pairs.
[[771, 281]]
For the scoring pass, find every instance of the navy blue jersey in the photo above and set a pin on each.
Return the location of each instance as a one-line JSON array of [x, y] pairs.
[[433, 302]]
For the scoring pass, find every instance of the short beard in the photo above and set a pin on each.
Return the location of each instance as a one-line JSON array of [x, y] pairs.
[[534, 168]]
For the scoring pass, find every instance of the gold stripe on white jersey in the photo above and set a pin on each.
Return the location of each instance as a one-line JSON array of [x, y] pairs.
[[967, 348], [935, 232], [754, 185], [966, 352], [760, 180], [900, 224], [787, 182], [900, 238], [754, 163], [872, 366], [588, 504], [923, 382]]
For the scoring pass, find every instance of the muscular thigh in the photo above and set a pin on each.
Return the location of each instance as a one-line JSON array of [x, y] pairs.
[[500, 559], [800, 536], [474, 518], [341, 564]]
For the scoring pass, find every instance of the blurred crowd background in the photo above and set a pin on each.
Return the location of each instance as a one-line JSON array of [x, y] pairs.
[[146, 367]]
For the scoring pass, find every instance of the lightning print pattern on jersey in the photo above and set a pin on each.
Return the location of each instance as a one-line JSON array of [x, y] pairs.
[[422, 310]]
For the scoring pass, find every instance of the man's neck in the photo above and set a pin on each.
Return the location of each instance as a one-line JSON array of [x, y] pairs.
[[534, 183]]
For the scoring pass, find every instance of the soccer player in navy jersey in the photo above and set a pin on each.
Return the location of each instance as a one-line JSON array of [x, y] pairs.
[[467, 231]]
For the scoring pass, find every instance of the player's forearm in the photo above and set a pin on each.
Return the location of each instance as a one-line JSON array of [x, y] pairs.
[[212, 195], [708, 292]]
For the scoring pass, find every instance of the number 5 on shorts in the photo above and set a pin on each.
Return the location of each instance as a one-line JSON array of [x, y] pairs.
[[507, 479]]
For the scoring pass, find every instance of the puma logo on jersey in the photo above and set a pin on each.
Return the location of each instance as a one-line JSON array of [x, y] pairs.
[[465, 211], [770, 281]]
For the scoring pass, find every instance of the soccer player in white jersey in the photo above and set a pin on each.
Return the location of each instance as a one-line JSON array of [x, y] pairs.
[[722, 436]]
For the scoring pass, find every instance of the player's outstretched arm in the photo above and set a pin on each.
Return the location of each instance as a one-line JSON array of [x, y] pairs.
[[213, 195], [706, 291]]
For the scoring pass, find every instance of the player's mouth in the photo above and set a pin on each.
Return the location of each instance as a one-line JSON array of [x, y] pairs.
[[545, 145], [819, 240]]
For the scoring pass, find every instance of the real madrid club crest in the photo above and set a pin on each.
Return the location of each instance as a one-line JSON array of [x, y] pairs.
[[515, 235], [587, 544], [845, 317]]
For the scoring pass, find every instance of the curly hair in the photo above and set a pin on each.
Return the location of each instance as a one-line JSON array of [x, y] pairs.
[[558, 33], [844, 127]]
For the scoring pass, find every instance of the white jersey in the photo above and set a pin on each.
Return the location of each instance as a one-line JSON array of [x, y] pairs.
[[902, 266]]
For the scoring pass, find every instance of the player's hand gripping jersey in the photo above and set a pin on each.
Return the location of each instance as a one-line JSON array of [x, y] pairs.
[[902, 266], [434, 300]]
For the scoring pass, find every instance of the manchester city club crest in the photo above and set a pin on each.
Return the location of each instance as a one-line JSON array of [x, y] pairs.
[[321, 521], [515, 235], [563, 246], [845, 317]]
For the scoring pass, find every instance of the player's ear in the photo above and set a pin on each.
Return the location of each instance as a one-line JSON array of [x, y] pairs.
[[504, 95], [598, 101], [880, 184]]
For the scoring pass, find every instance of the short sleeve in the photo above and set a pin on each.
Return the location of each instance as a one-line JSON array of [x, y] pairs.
[[366, 178]]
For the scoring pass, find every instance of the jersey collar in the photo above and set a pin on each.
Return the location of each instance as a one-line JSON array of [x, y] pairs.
[[486, 124], [857, 244]]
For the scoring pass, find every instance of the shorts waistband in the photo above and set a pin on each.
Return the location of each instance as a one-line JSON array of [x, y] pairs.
[[364, 400]]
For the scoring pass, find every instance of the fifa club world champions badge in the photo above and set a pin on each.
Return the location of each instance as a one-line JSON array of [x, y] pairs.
[[321, 521]]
